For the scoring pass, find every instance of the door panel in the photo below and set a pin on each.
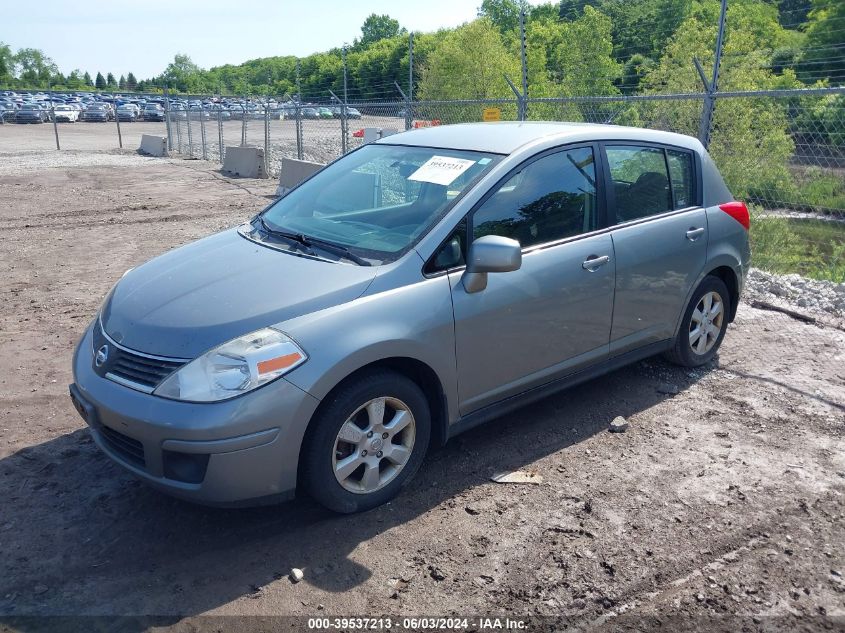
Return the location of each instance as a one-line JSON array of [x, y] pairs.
[[547, 319], [656, 265]]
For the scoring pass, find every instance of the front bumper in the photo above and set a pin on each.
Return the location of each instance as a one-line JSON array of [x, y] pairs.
[[249, 445]]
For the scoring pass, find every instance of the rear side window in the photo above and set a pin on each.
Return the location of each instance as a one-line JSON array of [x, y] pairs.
[[640, 181], [680, 173], [549, 199]]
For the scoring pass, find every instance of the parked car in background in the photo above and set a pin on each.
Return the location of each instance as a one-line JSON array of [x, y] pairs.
[[197, 112], [95, 112], [126, 113], [65, 113], [153, 112], [411, 290], [352, 113], [217, 111], [325, 113], [310, 113], [31, 113]]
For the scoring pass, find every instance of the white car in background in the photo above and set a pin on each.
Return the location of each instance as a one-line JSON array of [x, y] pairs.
[[66, 113]]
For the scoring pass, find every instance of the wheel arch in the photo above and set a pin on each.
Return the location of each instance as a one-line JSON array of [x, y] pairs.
[[415, 370], [729, 278]]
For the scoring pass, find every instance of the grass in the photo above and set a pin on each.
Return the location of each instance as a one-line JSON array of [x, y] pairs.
[[812, 248]]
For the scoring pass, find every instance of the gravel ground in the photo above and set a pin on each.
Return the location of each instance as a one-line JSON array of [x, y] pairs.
[[720, 508], [815, 297]]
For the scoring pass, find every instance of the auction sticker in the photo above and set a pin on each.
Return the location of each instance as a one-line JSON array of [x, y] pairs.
[[441, 170]]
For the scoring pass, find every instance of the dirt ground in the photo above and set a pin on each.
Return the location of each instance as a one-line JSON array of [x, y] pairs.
[[321, 139], [721, 507]]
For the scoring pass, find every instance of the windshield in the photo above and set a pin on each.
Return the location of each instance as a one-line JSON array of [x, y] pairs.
[[379, 200]]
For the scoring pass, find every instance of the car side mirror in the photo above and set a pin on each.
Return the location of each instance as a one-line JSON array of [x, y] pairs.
[[490, 254]]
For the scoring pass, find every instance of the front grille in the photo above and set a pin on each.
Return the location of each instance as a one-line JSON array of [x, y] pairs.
[[140, 369], [123, 365], [129, 449]]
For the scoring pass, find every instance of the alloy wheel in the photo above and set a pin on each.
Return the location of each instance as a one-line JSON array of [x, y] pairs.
[[373, 445], [706, 323]]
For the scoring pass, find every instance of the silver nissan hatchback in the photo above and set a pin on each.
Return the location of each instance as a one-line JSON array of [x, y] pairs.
[[410, 290]]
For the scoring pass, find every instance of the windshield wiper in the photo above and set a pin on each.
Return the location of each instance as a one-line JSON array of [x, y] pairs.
[[298, 238], [308, 241], [337, 249]]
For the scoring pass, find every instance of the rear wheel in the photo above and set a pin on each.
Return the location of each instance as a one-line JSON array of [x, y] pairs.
[[367, 442], [704, 324]]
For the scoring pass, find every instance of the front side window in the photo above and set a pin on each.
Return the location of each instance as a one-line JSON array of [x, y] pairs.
[[551, 198], [379, 200], [640, 181]]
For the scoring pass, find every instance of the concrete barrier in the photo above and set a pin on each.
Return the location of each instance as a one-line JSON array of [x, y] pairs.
[[153, 145], [294, 172], [245, 162]]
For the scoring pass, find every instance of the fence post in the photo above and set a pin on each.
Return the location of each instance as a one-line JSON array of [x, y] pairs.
[[299, 153], [202, 133], [267, 131], [243, 122], [117, 120], [220, 132], [524, 100], [344, 122], [53, 116], [712, 86], [520, 99], [409, 116], [167, 121], [190, 136], [178, 136]]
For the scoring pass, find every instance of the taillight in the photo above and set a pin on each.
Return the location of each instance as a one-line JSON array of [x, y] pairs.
[[738, 211]]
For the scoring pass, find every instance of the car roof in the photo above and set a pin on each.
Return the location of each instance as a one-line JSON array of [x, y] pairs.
[[505, 137]]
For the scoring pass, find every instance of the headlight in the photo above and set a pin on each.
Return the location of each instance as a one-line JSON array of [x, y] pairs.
[[236, 367]]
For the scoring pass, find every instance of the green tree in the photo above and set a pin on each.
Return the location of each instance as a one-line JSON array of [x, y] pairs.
[[100, 82], [824, 54], [7, 64], [378, 27], [121, 83], [87, 79], [110, 81], [750, 139], [182, 74], [504, 14], [578, 54], [35, 69], [131, 82], [470, 62]]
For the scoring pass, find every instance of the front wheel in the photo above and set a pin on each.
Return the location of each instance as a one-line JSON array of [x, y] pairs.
[[367, 442], [704, 324]]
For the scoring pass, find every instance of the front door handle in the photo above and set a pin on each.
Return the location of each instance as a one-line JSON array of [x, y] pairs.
[[694, 233], [593, 263]]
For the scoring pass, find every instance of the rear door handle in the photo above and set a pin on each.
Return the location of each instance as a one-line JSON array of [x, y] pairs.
[[593, 263], [694, 233]]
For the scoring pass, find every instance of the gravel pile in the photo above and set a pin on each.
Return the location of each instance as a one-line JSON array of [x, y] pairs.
[[796, 292]]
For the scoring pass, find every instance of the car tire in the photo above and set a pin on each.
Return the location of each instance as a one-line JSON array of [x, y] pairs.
[[703, 325], [338, 468]]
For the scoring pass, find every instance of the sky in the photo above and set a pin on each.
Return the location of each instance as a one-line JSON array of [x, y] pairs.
[[142, 36]]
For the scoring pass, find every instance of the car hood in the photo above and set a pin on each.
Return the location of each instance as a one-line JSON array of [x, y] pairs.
[[193, 298]]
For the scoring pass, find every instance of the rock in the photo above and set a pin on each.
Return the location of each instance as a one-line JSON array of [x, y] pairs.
[[39, 589], [668, 388], [700, 597], [618, 425], [436, 573], [296, 575], [517, 477], [472, 510]]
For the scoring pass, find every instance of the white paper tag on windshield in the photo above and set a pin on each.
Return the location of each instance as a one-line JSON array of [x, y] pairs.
[[441, 170]]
